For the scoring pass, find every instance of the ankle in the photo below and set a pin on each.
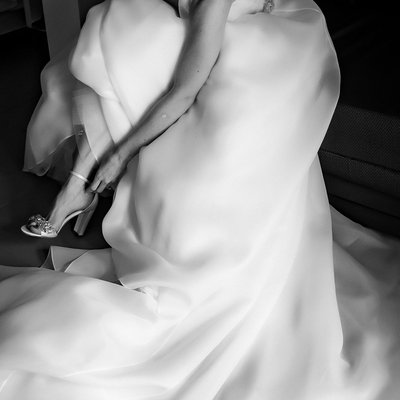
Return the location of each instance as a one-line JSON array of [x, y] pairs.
[[74, 182], [80, 176]]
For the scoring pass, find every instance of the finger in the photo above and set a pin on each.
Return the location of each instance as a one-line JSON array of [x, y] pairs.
[[95, 184], [101, 187]]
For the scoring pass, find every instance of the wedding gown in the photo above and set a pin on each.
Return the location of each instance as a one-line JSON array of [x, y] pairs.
[[230, 284]]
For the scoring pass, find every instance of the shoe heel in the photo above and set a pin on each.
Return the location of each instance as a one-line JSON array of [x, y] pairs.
[[82, 222]]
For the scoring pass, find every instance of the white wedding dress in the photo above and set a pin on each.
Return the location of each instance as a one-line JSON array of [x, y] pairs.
[[231, 285]]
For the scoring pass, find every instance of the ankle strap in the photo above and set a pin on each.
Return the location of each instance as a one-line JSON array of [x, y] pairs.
[[79, 176]]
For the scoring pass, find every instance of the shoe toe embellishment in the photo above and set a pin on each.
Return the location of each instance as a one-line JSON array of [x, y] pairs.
[[40, 223], [268, 6]]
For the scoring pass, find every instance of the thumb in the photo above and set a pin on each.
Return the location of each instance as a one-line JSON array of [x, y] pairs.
[[95, 184]]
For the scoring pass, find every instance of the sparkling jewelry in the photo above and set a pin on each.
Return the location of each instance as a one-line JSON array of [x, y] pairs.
[[268, 6], [80, 130], [41, 223]]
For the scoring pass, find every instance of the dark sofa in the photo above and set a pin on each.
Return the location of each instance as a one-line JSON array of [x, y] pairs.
[[360, 155]]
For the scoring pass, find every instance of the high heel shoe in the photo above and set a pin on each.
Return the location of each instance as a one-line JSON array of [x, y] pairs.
[[47, 230]]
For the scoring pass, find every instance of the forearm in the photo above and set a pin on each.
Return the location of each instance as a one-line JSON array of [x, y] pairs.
[[166, 111], [199, 54]]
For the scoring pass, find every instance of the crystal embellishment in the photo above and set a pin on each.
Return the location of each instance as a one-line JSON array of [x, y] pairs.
[[268, 6], [37, 221]]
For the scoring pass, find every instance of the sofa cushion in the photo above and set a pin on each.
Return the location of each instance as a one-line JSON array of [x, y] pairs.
[[360, 155]]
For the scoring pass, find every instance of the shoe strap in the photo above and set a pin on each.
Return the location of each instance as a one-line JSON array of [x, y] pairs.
[[79, 176]]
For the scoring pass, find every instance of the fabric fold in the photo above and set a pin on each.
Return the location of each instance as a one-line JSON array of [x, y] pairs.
[[223, 280]]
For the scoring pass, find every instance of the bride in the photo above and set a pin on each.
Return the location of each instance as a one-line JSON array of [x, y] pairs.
[[228, 277]]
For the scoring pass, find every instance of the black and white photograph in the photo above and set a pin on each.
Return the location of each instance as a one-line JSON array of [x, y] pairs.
[[199, 200]]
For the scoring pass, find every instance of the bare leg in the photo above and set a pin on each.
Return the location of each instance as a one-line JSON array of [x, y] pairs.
[[73, 196]]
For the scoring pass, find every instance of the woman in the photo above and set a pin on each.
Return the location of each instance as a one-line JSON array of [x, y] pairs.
[[220, 229], [203, 42]]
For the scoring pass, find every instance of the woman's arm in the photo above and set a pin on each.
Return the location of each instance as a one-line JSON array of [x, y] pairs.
[[207, 21]]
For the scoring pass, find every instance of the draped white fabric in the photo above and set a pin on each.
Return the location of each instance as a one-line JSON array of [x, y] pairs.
[[231, 286]]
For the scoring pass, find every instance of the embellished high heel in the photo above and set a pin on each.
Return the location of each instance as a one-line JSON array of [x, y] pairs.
[[47, 230]]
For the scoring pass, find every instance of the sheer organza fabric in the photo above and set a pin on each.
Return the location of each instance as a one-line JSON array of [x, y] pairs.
[[231, 284]]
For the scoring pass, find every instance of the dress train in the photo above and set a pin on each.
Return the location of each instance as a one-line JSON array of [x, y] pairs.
[[223, 280]]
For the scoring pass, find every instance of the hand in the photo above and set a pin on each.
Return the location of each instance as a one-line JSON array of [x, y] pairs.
[[110, 170]]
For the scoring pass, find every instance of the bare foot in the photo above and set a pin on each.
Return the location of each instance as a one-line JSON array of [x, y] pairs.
[[73, 197]]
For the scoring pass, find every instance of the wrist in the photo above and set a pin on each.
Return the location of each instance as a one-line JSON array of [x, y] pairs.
[[125, 153]]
